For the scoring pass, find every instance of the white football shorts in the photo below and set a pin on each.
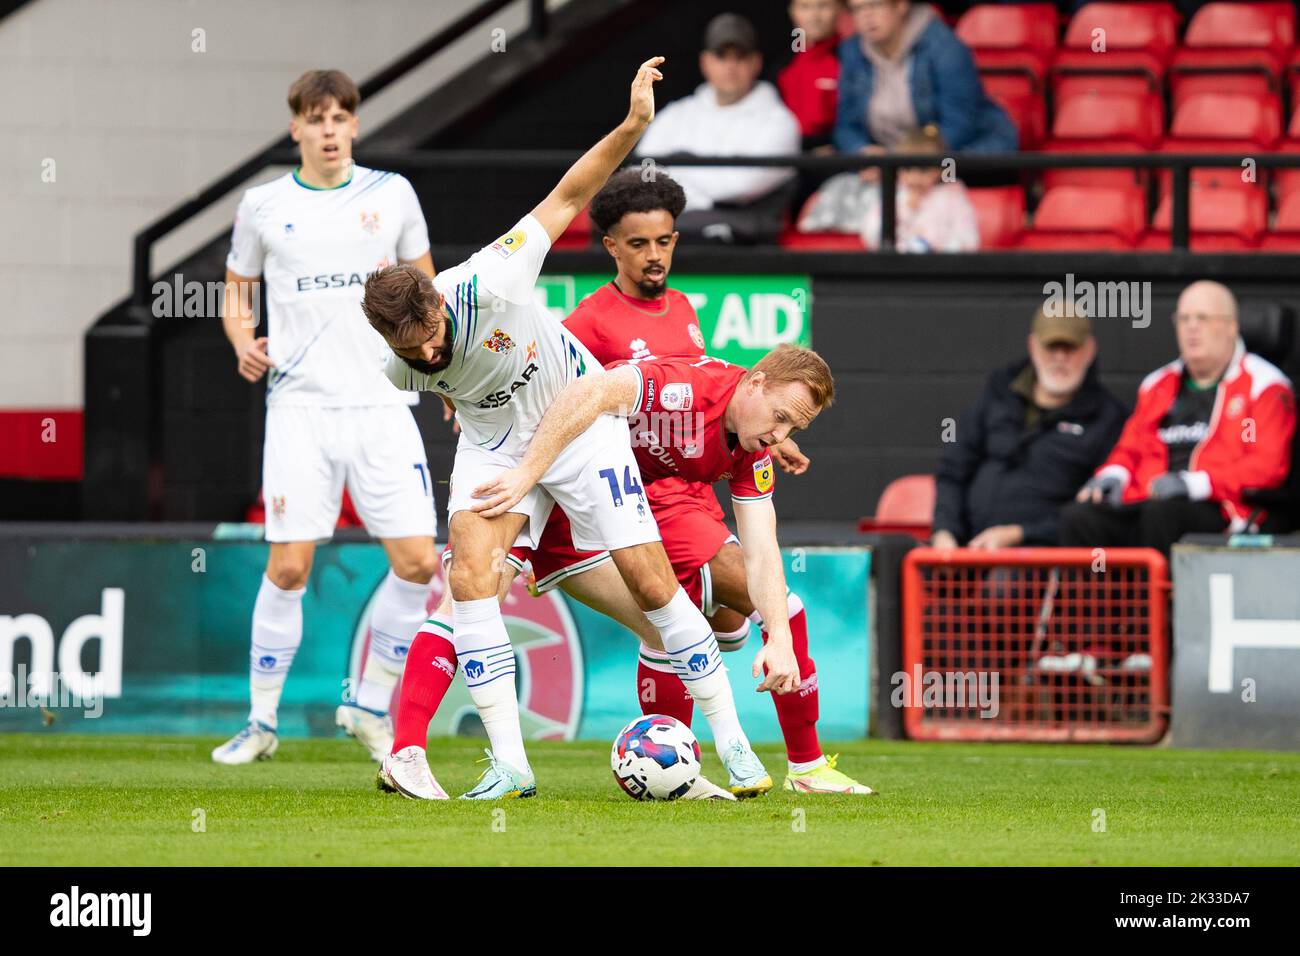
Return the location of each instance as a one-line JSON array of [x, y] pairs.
[[312, 451], [595, 480]]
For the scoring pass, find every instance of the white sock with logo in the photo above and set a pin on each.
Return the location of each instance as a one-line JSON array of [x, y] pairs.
[[688, 639], [277, 633], [488, 662], [396, 615]]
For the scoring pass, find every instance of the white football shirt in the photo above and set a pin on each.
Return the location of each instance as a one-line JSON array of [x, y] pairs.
[[313, 249], [511, 357]]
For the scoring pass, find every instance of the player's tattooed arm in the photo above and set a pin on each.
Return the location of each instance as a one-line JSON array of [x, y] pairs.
[[239, 319], [588, 174], [583, 401], [756, 526]]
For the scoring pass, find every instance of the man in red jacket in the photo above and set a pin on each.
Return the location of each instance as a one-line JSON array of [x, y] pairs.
[[1207, 426]]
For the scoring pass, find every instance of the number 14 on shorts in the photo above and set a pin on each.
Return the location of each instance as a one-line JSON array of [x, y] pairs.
[[630, 485]]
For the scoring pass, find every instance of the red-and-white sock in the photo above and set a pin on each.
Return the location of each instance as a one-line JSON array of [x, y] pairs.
[[430, 667], [658, 687], [797, 711]]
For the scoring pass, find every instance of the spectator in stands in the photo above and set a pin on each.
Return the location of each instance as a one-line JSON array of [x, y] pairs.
[[809, 82], [932, 215], [903, 69], [732, 113], [1208, 425], [1040, 427]]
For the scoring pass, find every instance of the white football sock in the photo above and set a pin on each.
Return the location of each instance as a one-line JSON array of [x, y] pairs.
[[277, 632], [488, 662], [810, 765], [395, 616], [690, 644]]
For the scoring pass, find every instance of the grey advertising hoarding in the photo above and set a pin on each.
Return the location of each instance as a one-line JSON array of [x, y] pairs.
[[1236, 659]]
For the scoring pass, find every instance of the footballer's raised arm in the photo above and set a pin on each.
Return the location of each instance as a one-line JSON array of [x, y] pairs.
[[580, 403], [588, 174]]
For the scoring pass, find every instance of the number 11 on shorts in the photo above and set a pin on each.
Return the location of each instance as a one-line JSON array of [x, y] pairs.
[[630, 484]]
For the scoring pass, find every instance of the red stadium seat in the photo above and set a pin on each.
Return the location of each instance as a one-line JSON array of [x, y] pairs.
[[1234, 47], [1285, 235], [1223, 123], [1100, 122], [1222, 219], [906, 506], [578, 235], [1286, 181], [792, 238], [1013, 46], [1210, 122], [1020, 38], [820, 241], [1001, 212], [1023, 100], [1087, 217], [1243, 26], [1138, 41]]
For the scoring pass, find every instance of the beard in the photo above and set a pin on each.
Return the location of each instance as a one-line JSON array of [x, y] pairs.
[[652, 287], [442, 358]]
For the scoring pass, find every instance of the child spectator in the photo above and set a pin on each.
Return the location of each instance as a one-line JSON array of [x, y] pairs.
[[932, 215]]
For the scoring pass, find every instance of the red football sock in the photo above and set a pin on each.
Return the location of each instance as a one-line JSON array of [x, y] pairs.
[[430, 667], [661, 693], [797, 711]]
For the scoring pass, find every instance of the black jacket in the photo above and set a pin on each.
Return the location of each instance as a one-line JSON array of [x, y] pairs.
[[996, 472]]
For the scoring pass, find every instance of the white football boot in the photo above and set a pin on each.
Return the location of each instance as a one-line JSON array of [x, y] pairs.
[[704, 789], [373, 731], [748, 778], [256, 741], [407, 772]]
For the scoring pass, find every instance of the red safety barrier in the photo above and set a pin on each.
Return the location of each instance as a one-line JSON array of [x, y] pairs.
[[1035, 644]]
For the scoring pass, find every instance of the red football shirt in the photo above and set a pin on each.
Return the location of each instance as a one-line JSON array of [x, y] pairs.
[[809, 84], [679, 427], [616, 326]]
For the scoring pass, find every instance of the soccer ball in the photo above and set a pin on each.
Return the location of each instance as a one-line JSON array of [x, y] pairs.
[[655, 758]]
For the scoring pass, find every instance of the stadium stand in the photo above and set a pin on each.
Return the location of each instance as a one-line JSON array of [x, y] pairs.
[[140, 463]]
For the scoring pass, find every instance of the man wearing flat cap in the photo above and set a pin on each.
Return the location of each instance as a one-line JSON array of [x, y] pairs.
[[1040, 428]]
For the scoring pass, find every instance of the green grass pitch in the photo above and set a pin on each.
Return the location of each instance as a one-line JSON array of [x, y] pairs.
[[81, 800]]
